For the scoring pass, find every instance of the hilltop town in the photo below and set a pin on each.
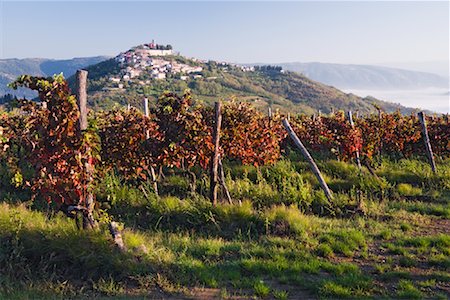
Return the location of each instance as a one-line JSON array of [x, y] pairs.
[[156, 61]]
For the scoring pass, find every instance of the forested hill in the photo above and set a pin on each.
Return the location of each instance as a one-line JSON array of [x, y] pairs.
[[122, 80]]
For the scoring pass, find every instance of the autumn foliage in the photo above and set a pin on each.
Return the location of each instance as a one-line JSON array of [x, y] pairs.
[[329, 134], [53, 144], [186, 137], [178, 135], [250, 137], [125, 148]]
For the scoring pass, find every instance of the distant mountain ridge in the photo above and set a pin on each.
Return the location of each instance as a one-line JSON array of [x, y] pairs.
[[348, 76], [10, 69]]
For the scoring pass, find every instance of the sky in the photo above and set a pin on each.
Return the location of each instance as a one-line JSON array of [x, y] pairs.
[[371, 32]]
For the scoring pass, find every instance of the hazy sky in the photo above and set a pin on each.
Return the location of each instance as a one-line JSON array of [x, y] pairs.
[[341, 32]]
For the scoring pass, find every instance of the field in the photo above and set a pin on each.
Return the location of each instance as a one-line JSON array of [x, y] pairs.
[[384, 233], [396, 246]]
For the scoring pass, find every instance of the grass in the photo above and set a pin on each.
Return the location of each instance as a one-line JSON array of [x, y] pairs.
[[406, 189], [332, 289], [261, 289], [325, 250], [344, 242], [285, 240], [406, 290], [280, 295], [432, 209]]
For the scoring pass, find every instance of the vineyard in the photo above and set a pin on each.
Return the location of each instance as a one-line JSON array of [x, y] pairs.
[[273, 232]]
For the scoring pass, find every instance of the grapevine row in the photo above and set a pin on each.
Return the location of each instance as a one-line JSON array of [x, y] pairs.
[[45, 143]]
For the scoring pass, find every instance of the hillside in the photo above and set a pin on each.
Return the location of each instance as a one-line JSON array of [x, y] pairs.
[[133, 75], [10, 69], [208, 80], [366, 77]]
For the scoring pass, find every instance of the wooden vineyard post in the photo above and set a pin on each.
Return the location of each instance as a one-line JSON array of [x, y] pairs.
[[215, 158], [426, 140], [358, 162], [154, 180], [269, 115], [147, 136], [81, 95], [82, 98], [147, 115], [309, 158], [222, 181], [146, 110], [117, 236], [350, 119], [380, 133]]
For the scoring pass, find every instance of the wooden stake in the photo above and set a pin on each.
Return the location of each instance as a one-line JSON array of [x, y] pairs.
[[309, 158], [147, 114], [81, 95], [82, 98], [371, 170], [350, 118], [215, 157], [117, 236], [222, 181], [147, 135], [146, 110], [154, 180], [426, 140]]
